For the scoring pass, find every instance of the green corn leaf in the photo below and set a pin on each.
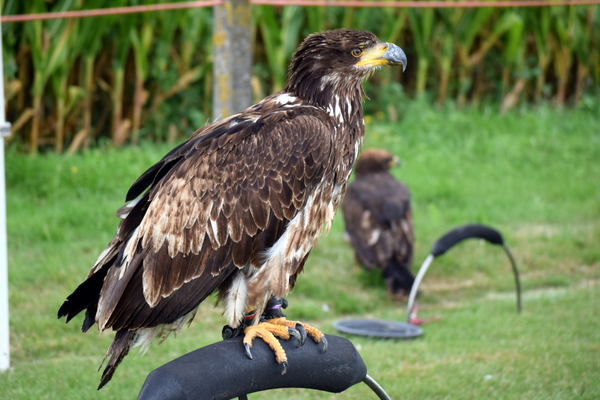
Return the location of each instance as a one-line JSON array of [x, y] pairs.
[[270, 32], [315, 18], [507, 21], [195, 33], [515, 41], [167, 26], [471, 24], [348, 18], [560, 17], [539, 21], [140, 54], [420, 26], [292, 21]]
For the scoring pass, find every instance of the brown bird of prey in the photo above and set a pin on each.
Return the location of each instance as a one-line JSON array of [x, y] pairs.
[[237, 208], [378, 220]]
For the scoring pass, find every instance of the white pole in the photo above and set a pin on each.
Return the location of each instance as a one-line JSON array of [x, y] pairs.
[[4, 333]]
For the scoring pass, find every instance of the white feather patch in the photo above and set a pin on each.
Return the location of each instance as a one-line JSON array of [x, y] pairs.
[[283, 252], [129, 251], [124, 211], [102, 255], [374, 237], [338, 110], [215, 229], [365, 220], [332, 79], [337, 190], [346, 237], [145, 336], [285, 99], [236, 301]]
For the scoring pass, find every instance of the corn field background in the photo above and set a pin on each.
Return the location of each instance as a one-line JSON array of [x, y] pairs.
[[75, 83]]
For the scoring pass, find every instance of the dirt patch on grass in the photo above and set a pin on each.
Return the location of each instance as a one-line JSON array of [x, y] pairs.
[[530, 230]]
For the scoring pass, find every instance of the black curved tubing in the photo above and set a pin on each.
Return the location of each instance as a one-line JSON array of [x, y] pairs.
[[223, 371], [457, 235]]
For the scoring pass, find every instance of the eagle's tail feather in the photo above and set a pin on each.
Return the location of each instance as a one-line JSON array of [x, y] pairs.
[[118, 349], [398, 278], [85, 297]]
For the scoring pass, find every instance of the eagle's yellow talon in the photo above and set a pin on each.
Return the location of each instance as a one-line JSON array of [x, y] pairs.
[[301, 331], [299, 334], [324, 344], [267, 332], [316, 334], [248, 351]]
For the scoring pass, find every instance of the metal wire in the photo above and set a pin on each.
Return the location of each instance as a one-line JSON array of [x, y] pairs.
[[513, 264], [372, 383]]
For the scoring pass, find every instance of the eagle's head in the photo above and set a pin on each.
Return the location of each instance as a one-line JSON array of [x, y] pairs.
[[374, 161], [338, 61]]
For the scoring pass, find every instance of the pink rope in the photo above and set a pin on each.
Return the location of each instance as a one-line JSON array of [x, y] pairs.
[[307, 3], [426, 4], [111, 11]]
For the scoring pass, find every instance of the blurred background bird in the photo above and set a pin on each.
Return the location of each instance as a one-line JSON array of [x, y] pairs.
[[378, 220]]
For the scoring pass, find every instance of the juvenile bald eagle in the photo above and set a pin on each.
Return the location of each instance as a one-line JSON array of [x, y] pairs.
[[378, 220], [238, 207]]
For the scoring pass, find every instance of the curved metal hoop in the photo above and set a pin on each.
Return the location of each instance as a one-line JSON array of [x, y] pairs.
[[449, 240]]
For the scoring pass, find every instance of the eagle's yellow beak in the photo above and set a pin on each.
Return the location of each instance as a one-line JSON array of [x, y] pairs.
[[383, 54], [394, 162]]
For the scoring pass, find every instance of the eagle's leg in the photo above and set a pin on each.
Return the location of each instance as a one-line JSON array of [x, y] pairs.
[[275, 316]]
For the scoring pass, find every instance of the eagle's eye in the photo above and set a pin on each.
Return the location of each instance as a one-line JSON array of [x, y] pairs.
[[357, 52]]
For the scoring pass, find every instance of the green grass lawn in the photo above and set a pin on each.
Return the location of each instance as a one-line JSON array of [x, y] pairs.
[[534, 175]]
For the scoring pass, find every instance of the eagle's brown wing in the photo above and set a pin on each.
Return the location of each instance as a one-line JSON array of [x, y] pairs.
[[215, 203], [378, 222]]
